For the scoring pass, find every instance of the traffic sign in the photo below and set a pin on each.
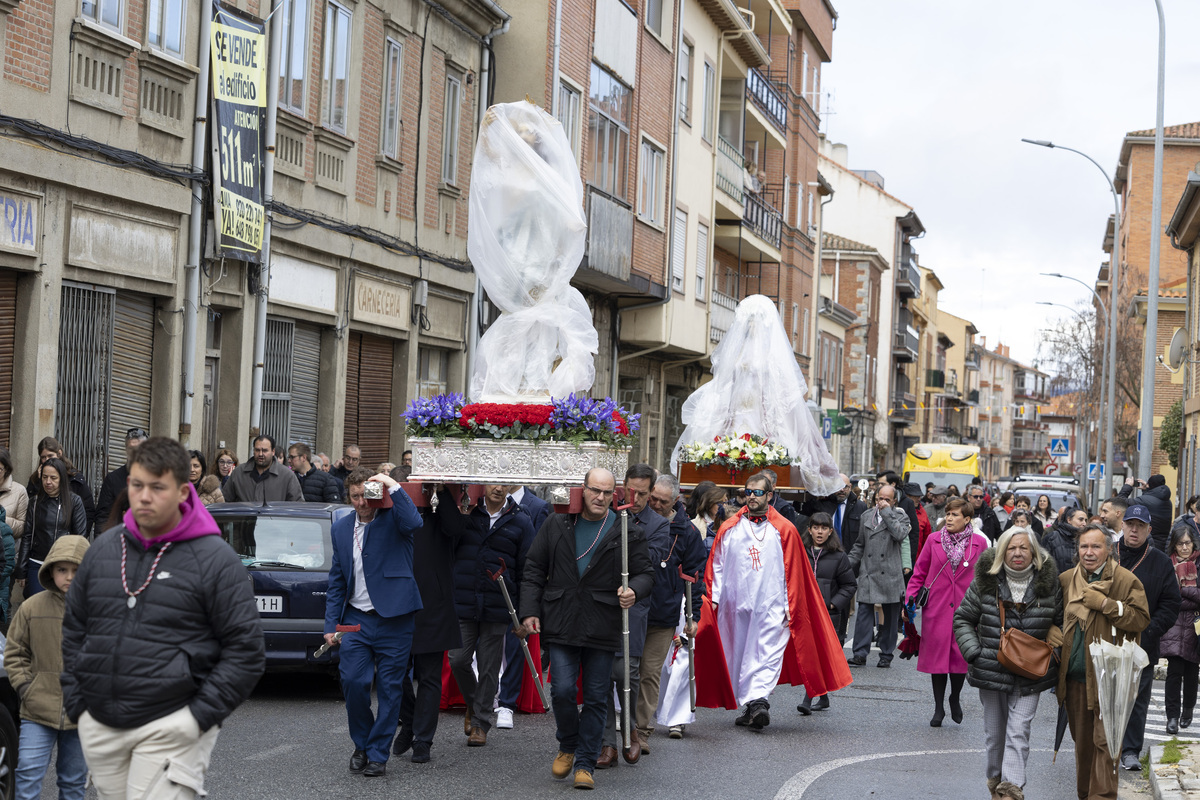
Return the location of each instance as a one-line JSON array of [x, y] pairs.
[[1093, 473], [827, 427], [1050, 469], [1059, 448]]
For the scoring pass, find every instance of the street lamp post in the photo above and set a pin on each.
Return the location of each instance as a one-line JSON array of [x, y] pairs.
[[1104, 363], [1113, 288], [1150, 341]]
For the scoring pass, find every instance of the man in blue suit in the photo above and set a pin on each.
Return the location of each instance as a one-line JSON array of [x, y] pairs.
[[514, 660], [371, 584]]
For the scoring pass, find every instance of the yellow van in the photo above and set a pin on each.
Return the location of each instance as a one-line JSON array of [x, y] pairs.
[[942, 464]]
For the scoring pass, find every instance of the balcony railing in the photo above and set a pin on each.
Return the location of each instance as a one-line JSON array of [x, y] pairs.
[[908, 280], [973, 396], [904, 406], [720, 315], [610, 231], [762, 218], [972, 361], [731, 169], [935, 378], [904, 344], [768, 100]]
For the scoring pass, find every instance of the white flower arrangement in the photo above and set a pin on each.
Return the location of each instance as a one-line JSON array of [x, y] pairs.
[[736, 450]]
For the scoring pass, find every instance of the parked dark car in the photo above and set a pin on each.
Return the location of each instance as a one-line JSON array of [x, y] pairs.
[[287, 550]]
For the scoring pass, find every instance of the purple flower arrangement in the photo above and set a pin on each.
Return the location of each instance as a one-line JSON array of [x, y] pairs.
[[576, 418]]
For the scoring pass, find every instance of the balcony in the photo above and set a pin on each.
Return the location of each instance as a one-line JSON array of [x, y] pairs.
[[731, 169], [905, 339], [763, 219], [766, 98], [971, 434], [935, 379], [904, 408], [608, 259], [908, 281], [720, 315], [972, 360], [973, 397]]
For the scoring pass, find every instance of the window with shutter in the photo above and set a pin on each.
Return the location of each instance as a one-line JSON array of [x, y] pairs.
[[701, 261], [678, 250]]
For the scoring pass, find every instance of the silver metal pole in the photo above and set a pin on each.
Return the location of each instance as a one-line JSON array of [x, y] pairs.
[[264, 272], [1150, 340], [625, 716], [191, 297]]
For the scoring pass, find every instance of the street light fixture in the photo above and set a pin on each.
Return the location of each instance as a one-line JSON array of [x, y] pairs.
[[1103, 308], [1114, 285]]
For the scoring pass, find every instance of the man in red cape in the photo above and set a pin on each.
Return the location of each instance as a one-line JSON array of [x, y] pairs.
[[772, 642]]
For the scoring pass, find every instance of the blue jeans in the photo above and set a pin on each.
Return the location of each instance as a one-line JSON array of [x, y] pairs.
[[33, 757], [580, 731]]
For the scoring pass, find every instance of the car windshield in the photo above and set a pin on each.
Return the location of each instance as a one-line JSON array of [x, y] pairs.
[[959, 479], [1058, 499], [265, 542]]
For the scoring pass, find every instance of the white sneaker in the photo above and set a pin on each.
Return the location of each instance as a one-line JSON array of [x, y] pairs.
[[504, 718]]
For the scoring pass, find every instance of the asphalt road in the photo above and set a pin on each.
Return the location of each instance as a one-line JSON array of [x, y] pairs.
[[290, 740]]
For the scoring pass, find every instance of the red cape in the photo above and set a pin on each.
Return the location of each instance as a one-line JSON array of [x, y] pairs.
[[814, 657], [529, 702]]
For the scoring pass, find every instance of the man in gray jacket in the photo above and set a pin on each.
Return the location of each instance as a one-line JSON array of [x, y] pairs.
[[876, 557], [262, 479]]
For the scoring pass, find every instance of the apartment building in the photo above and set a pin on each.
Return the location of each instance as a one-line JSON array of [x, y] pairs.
[[695, 126], [960, 421], [862, 210], [852, 279], [1183, 230], [369, 287]]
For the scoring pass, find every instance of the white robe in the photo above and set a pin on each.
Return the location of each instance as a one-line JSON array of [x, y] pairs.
[[750, 590], [675, 696]]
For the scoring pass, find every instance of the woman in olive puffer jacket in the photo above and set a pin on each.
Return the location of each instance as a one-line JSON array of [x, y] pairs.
[[1017, 573]]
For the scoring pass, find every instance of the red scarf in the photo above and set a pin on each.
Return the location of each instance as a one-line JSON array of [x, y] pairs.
[[1185, 571]]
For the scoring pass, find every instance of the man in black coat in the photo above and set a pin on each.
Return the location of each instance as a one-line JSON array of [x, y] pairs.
[[909, 507], [843, 508], [317, 485], [990, 524], [1156, 572], [114, 482], [492, 536], [514, 660], [162, 639], [435, 630], [1155, 496], [571, 594], [784, 507]]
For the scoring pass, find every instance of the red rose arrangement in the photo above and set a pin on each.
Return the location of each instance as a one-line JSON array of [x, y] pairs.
[[504, 415]]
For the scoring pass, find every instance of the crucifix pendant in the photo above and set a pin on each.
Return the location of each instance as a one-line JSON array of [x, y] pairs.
[[131, 602]]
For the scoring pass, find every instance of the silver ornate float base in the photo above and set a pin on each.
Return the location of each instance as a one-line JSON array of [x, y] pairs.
[[508, 461]]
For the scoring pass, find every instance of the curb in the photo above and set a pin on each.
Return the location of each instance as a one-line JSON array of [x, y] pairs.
[[1165, 788]]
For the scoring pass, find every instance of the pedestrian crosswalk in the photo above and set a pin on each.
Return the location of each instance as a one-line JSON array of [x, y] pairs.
[[1156, 719]]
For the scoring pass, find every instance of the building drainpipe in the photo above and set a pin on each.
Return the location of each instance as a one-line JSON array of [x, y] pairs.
[[816, 297], [264, 267], [476, 304], [191, 297]]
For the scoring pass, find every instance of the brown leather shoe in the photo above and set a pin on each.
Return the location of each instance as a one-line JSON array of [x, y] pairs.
[[645, 740], [563, 762], [467, 723], [478, 737], [634, 751], [608, 757]]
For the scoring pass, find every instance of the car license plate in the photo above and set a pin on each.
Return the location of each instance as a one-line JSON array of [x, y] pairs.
[[269, 604]]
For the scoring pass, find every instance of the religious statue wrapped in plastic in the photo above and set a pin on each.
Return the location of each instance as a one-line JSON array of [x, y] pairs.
[[758, 388], [526, 237]]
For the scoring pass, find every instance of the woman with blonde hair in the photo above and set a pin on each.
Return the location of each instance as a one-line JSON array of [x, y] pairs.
[[1019, 580]]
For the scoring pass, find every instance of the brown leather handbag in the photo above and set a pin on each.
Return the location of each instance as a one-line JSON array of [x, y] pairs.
[[1020, 653]]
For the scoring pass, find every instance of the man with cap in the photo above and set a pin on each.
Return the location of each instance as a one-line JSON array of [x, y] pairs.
[[1156, 497], [115, 481], [913, 490], [935, 509], [1154, 569]]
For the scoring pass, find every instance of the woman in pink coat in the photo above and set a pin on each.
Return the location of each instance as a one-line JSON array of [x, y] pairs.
[[946, 566]]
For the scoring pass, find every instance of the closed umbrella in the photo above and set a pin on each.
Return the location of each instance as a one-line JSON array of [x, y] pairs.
[[1118, 669], [1060, 730]]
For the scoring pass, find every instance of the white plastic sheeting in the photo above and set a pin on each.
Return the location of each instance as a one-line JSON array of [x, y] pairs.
[[757, 387], [526, 237]]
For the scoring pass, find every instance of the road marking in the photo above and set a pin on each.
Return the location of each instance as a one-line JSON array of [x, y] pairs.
[[799, 783], [274, 751]]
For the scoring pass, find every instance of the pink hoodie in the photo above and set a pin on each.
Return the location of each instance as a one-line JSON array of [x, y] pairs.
[[196, 522]]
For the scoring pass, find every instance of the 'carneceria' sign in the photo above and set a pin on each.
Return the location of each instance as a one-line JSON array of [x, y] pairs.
[[239, 74]]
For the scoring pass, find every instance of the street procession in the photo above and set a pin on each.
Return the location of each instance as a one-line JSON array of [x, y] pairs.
[[472, 398]]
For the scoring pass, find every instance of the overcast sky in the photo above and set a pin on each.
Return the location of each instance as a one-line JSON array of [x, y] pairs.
[[936, 95]]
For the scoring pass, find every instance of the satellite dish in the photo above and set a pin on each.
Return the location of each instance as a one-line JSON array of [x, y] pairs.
[[1177, 352]]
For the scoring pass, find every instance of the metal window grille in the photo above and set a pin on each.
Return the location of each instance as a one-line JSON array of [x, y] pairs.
[[84, 371]]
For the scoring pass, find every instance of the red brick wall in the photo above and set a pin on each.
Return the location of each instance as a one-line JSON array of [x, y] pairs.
[[370, 102], [29, 44], [435, 101], [408, 139]]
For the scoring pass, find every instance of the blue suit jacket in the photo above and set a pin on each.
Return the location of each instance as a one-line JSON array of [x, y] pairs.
[[537, 509], [387, 557]]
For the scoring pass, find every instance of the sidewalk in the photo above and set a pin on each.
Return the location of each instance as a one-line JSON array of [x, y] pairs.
[[1179, 778]]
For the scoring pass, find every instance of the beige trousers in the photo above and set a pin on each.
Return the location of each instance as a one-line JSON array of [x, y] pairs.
[[165, 759], [654, 653]]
